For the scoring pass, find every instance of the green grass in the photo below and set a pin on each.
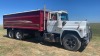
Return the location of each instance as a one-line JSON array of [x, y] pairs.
[[12, 47], [95, 29]]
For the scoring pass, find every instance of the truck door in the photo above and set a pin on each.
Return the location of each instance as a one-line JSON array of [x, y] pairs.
[[52, 24]]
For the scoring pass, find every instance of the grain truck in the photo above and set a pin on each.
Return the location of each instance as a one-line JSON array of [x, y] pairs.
[[52, 26]]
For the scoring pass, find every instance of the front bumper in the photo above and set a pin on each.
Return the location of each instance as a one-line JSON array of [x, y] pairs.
[[87, 38]]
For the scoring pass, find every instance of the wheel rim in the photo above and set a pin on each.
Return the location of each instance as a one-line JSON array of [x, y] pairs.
[[71, 43], [10, 34], [18, 35]]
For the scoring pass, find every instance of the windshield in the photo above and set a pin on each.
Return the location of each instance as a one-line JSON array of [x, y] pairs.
[[64, 17]]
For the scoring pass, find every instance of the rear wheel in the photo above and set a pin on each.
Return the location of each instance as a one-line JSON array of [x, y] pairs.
[[19, 35], [10, 33], [71, 42]]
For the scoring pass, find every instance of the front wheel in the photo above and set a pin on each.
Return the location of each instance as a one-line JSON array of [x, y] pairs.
[[71, 42]]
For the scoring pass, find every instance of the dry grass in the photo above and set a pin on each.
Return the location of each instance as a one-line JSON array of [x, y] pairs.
[[12, 47]]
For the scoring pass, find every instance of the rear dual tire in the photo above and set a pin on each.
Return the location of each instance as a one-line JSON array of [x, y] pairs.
[[19, 35], [11, 33]]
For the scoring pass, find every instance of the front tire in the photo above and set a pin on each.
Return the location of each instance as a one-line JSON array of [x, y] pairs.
[[71, 42]]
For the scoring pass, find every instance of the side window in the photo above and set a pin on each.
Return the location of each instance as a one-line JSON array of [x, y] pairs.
[[53, 17]]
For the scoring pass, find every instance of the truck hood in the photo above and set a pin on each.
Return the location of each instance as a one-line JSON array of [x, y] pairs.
[[74, 24]]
